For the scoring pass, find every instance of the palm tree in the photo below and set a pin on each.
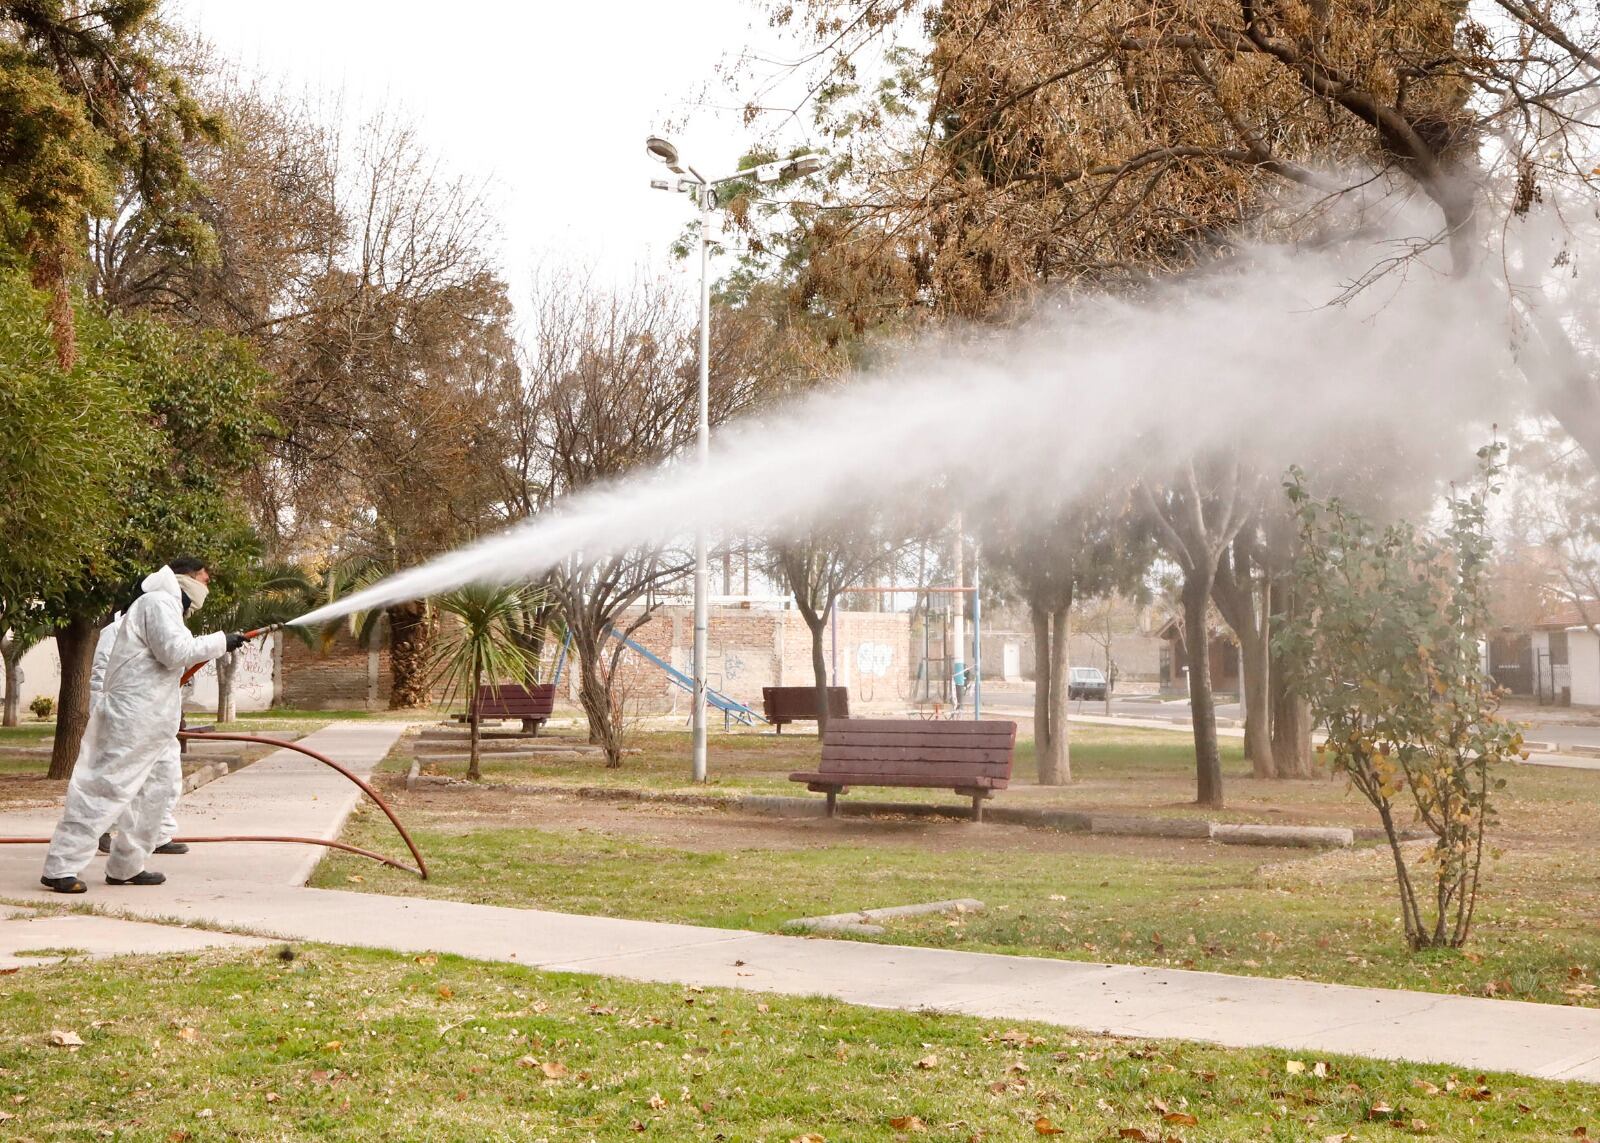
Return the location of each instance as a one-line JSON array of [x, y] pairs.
[[262, 596], [486, 642]]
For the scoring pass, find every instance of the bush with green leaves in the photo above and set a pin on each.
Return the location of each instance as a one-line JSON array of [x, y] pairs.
[[43, 706], [1388, 653]]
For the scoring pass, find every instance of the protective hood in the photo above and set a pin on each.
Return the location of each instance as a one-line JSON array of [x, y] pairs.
[[163, 579]]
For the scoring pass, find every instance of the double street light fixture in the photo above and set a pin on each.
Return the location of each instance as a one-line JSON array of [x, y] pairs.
[[705, 192]]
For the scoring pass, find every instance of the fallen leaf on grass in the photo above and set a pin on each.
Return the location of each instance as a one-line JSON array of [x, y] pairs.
[[1182, 1118], [355, 877], [333, 1046], [928, 1063], [63, 1039], [908, 1123], [1425, 1087], [1295, 1067], [554, 1069], [808, 1137], [188, 1035], [427, 960], [1139, 1134], [1043, 1126], [656, 1102], [446, 992]]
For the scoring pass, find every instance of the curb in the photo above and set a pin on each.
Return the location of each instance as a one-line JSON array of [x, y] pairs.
[[1064, 821], [211, 771]]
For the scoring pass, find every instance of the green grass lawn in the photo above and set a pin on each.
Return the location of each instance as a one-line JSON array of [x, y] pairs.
[[346, 1045], [1179, 904]]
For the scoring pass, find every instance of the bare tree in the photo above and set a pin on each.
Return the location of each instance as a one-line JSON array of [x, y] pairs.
[[1053, 558], [821, 565], [1197, 515], [610, 390]]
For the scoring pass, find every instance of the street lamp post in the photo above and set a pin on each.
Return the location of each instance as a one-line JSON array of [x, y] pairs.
[[705, 191]]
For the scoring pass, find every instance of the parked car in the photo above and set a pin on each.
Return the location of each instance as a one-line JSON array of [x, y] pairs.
[[1086, 683]]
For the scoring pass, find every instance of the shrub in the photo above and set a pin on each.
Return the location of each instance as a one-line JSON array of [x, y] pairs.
[[1388, 655], [43, 707]]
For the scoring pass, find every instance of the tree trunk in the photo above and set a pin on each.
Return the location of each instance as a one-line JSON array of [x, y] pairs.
[[227, 668], [1060, 763], [75, 642], [13, 706], [408, 654], [1291, 714], [475, 731], [594, 695], [1235, 593], [1197, 641], [1042, 730], [819, 666], [1256, 692]]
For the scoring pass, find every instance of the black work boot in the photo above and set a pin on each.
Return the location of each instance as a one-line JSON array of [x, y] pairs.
[[148, 877], [64, 884], [171, 847]]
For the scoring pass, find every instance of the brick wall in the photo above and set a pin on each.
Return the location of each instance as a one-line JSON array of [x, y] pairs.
[[338, 679], [745, 651]]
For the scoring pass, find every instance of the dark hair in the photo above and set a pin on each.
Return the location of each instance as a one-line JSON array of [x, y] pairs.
[[186, 565]]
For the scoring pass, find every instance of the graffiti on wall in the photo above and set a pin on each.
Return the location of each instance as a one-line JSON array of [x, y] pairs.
[[873, 660]]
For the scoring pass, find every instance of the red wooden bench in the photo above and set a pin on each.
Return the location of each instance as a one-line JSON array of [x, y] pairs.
[[533, 705], [971, 758], [781, 705]]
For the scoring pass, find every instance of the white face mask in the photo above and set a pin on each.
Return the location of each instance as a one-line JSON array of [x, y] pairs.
[[195, 590]]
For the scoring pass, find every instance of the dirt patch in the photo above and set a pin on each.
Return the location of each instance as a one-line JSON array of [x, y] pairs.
[[710, 829], [30, 791]]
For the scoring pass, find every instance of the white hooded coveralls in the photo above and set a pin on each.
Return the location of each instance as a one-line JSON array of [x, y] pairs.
[[97, 678], [130, 744]]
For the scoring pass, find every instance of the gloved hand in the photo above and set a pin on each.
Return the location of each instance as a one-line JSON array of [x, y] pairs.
[[235, 641]]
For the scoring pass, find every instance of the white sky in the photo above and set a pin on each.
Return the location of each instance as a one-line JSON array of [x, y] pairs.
[[550, 100]]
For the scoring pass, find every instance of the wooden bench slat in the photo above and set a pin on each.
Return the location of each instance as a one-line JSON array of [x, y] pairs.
[[881, 756], [909, 780], [916, 725], [932, 746]]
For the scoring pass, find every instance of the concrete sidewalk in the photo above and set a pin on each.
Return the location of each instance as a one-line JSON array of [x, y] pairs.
[[259, 889]]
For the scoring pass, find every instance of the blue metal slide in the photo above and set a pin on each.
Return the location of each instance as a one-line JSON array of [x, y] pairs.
[[732, 710]]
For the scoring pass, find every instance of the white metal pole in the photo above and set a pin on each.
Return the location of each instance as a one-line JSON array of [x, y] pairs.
[[703, 458], [958, 624]]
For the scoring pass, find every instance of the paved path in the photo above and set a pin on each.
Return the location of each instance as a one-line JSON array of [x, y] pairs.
[[258, 889]]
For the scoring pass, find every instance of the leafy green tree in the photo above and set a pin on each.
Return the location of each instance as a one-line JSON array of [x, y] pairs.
[[200, 399], [483, 643], [89, 105], [69, 437], [1387, 651]]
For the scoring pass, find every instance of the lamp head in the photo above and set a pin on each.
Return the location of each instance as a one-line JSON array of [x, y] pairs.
[[663, 150], [804, 165]]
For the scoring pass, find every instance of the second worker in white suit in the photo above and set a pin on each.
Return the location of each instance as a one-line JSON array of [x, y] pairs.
[[125, 773]]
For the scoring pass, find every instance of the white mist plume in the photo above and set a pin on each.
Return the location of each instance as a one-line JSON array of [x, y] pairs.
[[1250, 358]]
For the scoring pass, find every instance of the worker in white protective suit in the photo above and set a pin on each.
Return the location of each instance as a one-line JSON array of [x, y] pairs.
[[131, 759], [97, 676]]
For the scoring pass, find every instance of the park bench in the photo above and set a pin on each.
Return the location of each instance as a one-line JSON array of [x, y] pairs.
[[532, 705], [799, 704], [971, 758]]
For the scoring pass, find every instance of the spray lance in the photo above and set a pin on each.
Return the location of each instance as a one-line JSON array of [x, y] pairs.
[[248, 635]]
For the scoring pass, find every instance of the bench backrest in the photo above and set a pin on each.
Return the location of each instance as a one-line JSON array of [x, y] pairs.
[[913, 746], [791, 704], [513, 700]]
